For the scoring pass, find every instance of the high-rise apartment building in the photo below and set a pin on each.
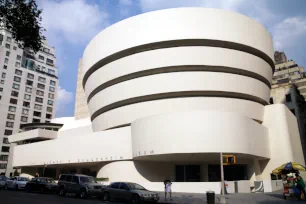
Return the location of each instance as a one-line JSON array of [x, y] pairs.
[[28, 84]]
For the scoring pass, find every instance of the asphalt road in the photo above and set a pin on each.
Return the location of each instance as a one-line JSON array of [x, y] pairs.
[[21, 197]]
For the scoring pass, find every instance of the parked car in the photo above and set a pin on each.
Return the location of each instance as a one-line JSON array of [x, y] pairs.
[[16, 182], [3, 181], [41, 184], [128, 192], [81, 185]]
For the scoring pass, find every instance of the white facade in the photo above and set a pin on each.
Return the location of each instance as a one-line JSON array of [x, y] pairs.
[[27, 91], [168, 92]]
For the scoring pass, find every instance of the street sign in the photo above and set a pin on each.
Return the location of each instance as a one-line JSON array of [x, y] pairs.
[[229, 159]]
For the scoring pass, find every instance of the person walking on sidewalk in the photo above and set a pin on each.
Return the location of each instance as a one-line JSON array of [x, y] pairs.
[[167, 189]]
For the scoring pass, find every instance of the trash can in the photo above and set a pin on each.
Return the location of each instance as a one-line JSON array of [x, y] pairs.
[[210, 196]]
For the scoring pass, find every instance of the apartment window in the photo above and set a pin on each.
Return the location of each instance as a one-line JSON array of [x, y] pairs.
[[28, 90], [37, 114], [5, 149], [8, 132], [37, 107], [40, 100], [41, 57], [50, 95], [30, 76], [7, 46], [13, 101], [52, 82], [288, 98], [9, 124], [3, 166], [16, 86], [4, 66], [29, 83], [1, 89], [26, 104], [5, 141], [49, 109], [35, 120], [14, 93], [7, 53], [47, 121], [25, 111], [50, 102], [27, 96], [3, 75], [18, 72], [24, 119], [39, 93], [12, 109], [42, 79], [8, 39], [14, 48], [48, 116], [17, 64], [41, 86], [2, 81], [18, 57], [11, 116], [6, 61], [49, 61], [43, 69], [17, 79], [50, 71], [4, 157], [52, 89]]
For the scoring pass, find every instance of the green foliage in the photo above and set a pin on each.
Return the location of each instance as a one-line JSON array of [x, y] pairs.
[[102, 179], [23, 19]]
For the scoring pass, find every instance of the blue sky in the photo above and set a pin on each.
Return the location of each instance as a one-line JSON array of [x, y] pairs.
[[71, 24]]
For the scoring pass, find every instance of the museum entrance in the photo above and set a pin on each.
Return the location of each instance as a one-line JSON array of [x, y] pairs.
[[231, 172], [187, 173]]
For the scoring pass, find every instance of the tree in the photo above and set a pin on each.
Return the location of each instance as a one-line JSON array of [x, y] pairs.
[[23, 19]]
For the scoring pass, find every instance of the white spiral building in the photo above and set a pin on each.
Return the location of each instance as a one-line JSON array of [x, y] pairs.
[[168, 91]]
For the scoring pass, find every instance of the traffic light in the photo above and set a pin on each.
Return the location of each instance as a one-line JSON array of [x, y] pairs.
[[229, 159]]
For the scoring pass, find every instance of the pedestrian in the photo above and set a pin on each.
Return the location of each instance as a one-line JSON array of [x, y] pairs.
[[167, 184], [36, 175], [300, 184]]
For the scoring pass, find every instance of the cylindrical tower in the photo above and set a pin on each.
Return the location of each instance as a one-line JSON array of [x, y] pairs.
[[177, 60]]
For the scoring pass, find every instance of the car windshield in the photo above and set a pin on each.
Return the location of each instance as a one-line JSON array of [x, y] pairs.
[[50, 181], [23, 179], [84, 179], [135, 186]]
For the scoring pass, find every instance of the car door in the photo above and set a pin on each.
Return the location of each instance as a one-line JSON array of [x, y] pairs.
[[33, 184], [11, 182], [40, 184], [68, 183], [75, 187], [113, 191], [124, 192]]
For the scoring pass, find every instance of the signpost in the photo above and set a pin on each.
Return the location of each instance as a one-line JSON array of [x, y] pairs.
[[228, 160]]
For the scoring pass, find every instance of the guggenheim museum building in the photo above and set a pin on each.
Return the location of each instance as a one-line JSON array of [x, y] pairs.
[[167, 92]]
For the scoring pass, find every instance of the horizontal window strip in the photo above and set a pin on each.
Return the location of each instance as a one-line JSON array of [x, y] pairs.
[[182, 94], [177, 43], [182, 68]]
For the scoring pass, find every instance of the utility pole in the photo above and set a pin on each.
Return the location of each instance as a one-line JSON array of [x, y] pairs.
[[222, 199]]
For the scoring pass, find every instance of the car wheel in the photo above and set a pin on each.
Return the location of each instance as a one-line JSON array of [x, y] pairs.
[[83, 194], [62, 191], [28, 189], [135, 199], [106, 196]]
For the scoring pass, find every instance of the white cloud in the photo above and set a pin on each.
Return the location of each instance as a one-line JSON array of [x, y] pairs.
[[289, 32], [64, 99]]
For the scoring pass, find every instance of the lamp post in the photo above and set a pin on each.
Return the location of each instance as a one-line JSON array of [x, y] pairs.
[[222, 198]]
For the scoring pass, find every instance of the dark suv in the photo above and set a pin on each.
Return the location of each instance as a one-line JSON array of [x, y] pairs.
[[81, 185]]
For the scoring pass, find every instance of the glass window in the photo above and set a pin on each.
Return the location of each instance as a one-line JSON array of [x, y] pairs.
[[4, 66], [17, 79], [8, 132], [87, 179], [3, 166], [28, 90], [6, 60], [25, 111], [49, 109], [30, 76], [16, 86], [136, 186], [68, 178], [29, 83], [49, 61], [7, 53], [9, 124], [75, 179], [3, 75], [41, 86], [26, 104], [8, 46], [2, 81], [24, 119], [13, 101], [50, 71], [15, 48], [50, 95], [4, 157], [50, 102], [40, 100], [37, 114], [124, 186], [14, 93], [41, 57], [52, 89], [18, 72], [27, 96], [43, 69], [42, 79], [52, 82], [62, 178], [115, 185], [37, 107], [18, 57], [48, 116], [40, 93], [8, 39], [17, 64], [11, 116], [1, 89], [5, 149]]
